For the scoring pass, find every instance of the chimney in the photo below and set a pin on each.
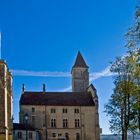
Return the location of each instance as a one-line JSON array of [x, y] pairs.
[[44, 88], [23, 88]]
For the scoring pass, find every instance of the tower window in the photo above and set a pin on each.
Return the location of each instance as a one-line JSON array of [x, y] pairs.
[[65, 110], [65, 123], [53, 123]]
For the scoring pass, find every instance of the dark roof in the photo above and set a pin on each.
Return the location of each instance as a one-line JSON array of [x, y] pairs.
[[80, 62], [20, 126], [91, 85], [57, 98]]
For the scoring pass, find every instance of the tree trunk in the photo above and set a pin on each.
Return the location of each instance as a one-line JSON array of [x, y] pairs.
[[139, 119]]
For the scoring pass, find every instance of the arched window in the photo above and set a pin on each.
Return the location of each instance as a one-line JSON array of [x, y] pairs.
[[67, 136], [77, 136]]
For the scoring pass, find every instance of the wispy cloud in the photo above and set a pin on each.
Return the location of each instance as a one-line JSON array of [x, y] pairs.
[[40, 73], [93, 76], [104, 73]]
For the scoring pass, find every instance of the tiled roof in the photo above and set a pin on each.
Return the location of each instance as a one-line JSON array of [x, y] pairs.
[[57, 98], [19, 126], [80, 62]]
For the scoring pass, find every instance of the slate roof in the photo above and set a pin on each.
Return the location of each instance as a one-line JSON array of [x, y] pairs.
[[57, 98], [19, 126], [80, 62]]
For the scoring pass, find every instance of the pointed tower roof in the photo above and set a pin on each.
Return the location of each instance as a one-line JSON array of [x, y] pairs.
[[80, 62]]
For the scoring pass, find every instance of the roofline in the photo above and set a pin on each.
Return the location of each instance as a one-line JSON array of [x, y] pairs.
[[60, 105]]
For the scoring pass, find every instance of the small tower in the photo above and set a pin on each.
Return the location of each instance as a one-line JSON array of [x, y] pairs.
[[80, 75]]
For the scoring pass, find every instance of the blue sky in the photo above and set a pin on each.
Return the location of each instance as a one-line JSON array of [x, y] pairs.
[[46, 36]]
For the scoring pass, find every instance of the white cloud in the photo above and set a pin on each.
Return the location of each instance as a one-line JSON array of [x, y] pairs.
[[104, 73], [40, 73], [93, 76]]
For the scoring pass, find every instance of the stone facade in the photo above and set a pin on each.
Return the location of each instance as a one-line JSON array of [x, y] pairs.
[[21, 135], [87, 127], [5, 102], [80, 75], [64, 115], [80, 79], [20, 132]]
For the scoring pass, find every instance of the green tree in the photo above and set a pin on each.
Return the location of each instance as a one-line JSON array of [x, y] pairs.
[[133, 45], [124, 105], [119, 107]]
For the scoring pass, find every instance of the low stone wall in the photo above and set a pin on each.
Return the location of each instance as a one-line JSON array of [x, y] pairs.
[[3, 137]]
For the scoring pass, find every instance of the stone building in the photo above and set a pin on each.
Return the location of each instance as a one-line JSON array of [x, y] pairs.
[[5, 102], [20, 132], [64, 115]]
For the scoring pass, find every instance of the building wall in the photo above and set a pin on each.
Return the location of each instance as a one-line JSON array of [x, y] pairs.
[[43, 116], [23, 135], [5, 102], [80, 79], [9, 102]]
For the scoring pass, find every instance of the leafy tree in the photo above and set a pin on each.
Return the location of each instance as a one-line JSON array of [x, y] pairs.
[[124, 104], [119, 107], [133, 45]]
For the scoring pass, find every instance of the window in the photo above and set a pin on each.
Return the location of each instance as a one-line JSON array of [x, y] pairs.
[[33, 109], [19, 135], [30, 135], [53, 134], [65, 123], [33, 120], [52, 110], [77, 123], [77, 136], [59, 135], [67, 136], [65, 110], [53, 123], [76, 110]]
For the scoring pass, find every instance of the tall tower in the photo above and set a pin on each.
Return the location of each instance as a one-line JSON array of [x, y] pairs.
[[5, 102], [80, 75]]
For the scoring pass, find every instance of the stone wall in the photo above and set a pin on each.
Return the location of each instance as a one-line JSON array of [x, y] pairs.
[[87, 115], [5, 102]]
